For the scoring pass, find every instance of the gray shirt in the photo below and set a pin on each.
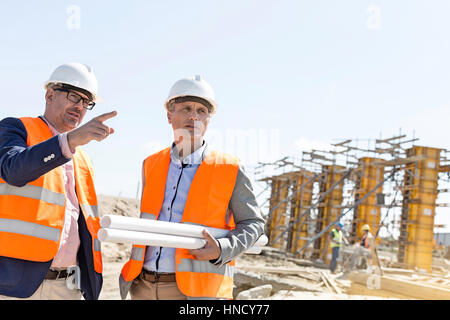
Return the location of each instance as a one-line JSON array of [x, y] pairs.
[[247, 217]]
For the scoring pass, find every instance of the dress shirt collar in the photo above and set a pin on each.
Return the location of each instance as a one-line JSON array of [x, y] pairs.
[[52, 129], [194, 158]]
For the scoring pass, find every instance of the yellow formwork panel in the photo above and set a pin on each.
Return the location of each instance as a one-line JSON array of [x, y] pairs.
[[279, 220], [300, 203], [421, 207], [274, 200], [368, 212], [328, 211]]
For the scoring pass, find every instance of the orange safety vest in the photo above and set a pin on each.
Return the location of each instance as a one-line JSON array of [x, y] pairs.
[[365, 242], [32, 216], [206, 204]]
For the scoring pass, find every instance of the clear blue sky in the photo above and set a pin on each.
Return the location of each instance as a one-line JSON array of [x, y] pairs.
[[308, 71]]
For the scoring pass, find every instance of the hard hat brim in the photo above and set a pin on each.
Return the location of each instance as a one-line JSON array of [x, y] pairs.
[[206, 102], [96, 98], [211, 102]]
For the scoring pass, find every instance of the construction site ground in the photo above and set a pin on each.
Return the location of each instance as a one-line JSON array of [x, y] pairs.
[[275, 274]]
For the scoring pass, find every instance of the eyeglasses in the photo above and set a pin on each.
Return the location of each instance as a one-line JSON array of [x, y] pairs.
[[75, 98]]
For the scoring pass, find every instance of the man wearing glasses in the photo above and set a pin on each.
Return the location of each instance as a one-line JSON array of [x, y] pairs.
[[48, 206]]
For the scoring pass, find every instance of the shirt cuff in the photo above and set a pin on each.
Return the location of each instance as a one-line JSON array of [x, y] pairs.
[[217, 261], [64, 144], [225, 252]]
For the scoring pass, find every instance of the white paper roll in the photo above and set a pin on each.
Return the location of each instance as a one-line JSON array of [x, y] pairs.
[[253, 250], [164, 227], [156, 226], [156, 239], [149, 239]]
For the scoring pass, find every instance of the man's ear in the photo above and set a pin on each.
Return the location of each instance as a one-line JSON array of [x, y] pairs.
[[169, 116], [49, 95]]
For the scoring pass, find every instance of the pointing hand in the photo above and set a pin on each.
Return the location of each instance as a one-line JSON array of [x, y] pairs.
[[95, 129]]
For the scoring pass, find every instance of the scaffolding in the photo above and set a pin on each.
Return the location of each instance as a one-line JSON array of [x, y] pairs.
[[369, 212], [329, 208], [419, 203], [390, 184], [302, 199]]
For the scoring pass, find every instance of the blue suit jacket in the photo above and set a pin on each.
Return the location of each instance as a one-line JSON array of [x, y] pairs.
[[20, 164]]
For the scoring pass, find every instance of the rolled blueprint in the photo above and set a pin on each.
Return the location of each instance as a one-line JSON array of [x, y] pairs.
[[156, 239], [164, 227]]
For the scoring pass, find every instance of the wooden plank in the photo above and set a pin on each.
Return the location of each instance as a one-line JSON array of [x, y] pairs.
[[433, 280], [307, 276], [324, 280], [285, 271], [397, 270], [251, 279], [320, 284], [335, 286], [337, 275], [343, 283], [362, 290], [400, 286], [314, 275], [332, 283]]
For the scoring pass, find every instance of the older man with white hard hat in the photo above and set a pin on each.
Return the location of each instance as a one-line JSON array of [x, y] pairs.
[[48, 206], [188, 183]]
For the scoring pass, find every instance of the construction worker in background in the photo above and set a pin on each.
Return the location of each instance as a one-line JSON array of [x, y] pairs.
[[367, 242], [188, 183], [48, 206], [439, 248], [336, 240], [365, 249], [367, 238]]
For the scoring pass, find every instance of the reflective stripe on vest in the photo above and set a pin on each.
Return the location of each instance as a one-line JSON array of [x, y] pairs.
[[33, 192], [87, 198], [206, 204], [32, 216], [91, 211], [97, 245], [145, 215], [137, 254], [29, 229], [198, 266], [134, 266], [34, 213]]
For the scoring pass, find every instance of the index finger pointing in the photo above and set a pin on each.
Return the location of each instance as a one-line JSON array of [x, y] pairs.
[[107, 116]]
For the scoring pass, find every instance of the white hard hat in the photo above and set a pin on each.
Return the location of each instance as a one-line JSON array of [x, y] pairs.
[[193, 87], [76, 75]]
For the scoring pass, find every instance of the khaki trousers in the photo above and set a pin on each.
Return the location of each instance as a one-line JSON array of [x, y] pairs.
[[142, 289], [51, 290]]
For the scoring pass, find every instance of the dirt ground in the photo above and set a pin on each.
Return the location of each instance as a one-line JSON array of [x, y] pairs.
[[305, 283]]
